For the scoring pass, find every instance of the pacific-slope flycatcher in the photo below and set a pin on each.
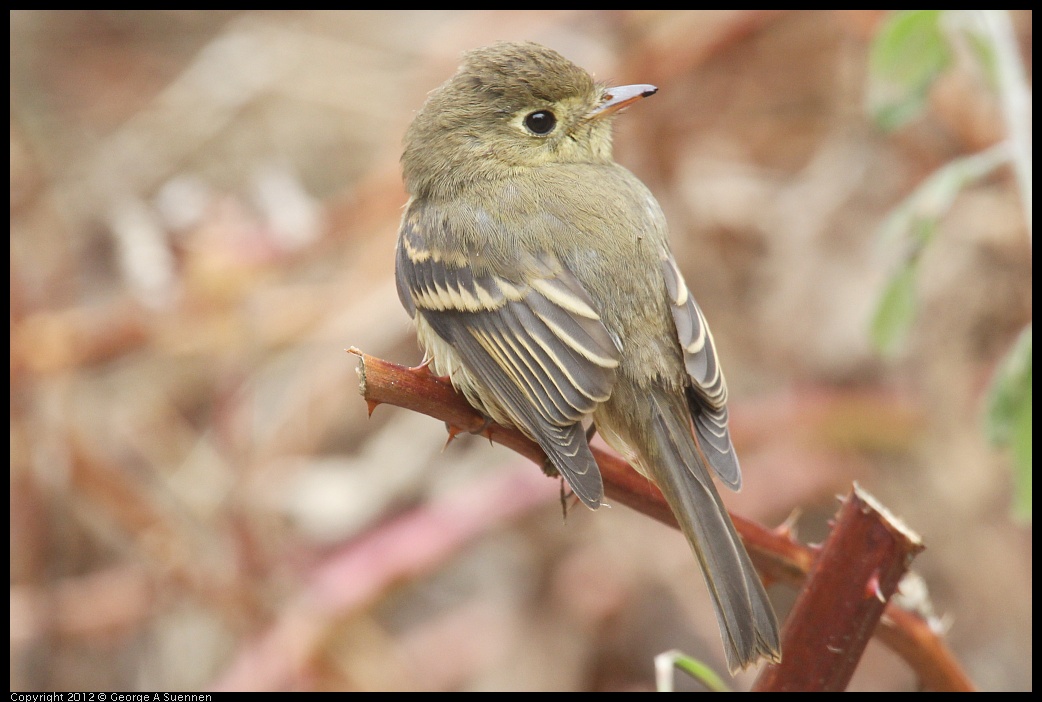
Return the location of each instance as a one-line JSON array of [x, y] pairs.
[[541, 282]]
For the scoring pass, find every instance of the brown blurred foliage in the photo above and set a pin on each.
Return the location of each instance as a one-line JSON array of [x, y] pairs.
[[203, 213]]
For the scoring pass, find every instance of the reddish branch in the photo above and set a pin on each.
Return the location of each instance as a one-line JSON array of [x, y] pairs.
[[837, 612], [841, 603]]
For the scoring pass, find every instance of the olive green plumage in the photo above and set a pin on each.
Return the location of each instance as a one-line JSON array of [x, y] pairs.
[[539, 275]]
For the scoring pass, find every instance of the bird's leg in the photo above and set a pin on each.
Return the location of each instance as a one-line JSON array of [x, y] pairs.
[[454, 431]]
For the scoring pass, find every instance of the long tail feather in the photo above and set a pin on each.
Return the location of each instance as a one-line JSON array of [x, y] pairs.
[[745, 616]]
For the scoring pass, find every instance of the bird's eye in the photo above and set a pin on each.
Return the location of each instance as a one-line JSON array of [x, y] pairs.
[[541, 122]]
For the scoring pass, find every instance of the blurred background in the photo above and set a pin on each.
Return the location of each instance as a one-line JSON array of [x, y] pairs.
[[204, 207]]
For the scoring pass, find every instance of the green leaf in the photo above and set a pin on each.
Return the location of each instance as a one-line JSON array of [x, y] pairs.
[[910, 228], [1008, 416], [896, 310], [908, 53], [666, 662], [1022, 463]]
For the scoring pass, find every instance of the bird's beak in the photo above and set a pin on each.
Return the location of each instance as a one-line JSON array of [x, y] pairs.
[[617, 98]]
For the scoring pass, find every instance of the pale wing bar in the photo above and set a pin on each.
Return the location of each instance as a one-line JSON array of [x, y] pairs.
[[707, 393], [538, 346]]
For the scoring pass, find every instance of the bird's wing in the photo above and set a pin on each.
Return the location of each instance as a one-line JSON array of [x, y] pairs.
[[707, 394], [532, 339]]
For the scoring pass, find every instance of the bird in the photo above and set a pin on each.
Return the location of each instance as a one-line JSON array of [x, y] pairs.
[[540, 279]]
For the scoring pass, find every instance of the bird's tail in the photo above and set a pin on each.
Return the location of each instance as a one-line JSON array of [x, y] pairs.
[[746, 618]]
